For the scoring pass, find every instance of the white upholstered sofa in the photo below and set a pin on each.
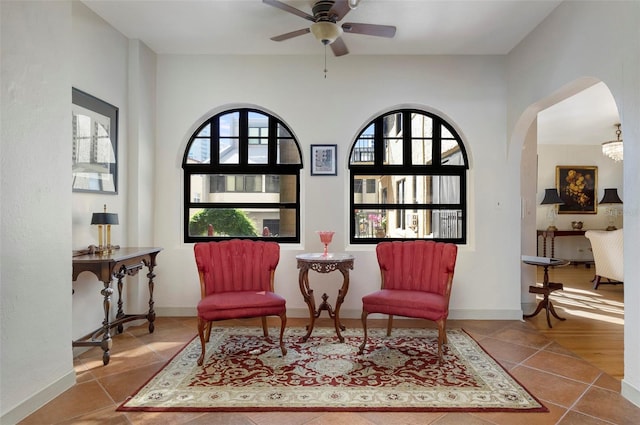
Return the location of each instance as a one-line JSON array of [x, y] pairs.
[[607, 255]]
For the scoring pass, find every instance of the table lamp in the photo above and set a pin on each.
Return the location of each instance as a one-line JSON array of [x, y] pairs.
[[611, 198], [104, 220], [552, 199]]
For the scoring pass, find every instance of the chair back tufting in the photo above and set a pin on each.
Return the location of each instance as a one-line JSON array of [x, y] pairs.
[[237, 265], [417, 265]]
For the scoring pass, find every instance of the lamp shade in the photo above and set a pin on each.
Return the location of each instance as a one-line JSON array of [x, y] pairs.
[[551, 197], [611, 197], [104, 218]]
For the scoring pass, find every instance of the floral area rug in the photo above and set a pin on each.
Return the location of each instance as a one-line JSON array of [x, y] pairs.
[[244, 371]]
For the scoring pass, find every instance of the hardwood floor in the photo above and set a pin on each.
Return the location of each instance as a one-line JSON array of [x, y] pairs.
[[574, 368], [594, 329]]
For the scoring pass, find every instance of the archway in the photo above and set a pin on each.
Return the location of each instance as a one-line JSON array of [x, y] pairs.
[[538, 164]]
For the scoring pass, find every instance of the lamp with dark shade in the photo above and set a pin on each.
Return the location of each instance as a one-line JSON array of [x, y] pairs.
[[104, 220], [611, 198], [552, 199]]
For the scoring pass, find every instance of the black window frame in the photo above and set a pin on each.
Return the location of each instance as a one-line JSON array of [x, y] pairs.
[[242, 168], [435, 168]]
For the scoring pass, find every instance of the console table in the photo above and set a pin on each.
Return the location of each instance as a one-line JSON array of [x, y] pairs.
[[552, 235], [547, 287], [107, 266], [324, 263]]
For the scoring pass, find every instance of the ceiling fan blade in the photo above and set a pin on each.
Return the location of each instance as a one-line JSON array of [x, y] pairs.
[[291, 34], [339, 9], [290, 9], [338, 47], [369, 29]]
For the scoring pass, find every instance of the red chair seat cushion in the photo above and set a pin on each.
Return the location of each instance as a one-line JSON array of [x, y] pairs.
[[231, 305], [397, 302]]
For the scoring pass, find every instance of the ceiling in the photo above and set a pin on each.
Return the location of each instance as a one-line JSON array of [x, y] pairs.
[[424, 27]]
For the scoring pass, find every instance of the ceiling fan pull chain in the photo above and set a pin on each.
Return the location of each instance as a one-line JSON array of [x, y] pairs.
[[325, 61]]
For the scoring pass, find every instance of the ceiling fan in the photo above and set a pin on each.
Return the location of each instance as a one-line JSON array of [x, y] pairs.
[[325, 28]]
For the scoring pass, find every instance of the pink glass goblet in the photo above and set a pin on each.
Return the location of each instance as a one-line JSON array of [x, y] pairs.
[[325, 238]]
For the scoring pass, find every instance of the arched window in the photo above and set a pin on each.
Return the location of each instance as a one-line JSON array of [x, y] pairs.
[[408, 176], [242, 179]]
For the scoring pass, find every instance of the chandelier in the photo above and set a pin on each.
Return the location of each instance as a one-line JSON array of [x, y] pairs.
[[613, 149]]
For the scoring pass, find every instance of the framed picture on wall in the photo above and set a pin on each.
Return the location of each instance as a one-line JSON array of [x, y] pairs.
[[95, 144], [578, 187], [324, 160]]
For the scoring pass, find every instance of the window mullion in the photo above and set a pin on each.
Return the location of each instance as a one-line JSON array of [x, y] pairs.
[[406, 138]]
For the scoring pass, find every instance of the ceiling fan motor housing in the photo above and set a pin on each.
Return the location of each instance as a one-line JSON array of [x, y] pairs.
[[321, 11]]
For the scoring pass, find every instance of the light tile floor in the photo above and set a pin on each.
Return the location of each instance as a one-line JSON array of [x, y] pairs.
[[575, 391]]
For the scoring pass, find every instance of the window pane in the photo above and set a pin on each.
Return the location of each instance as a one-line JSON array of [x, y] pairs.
[[408, 190], [288, 152], [421, 151], [421, 126], [392, 125], [244, 188], [229, 153], [363, 150], [205, 132], [229, 125], [451, 154], [392, 151], [253, 183], [258, 153], [408, 224], [357, 187], [237, 222], [283, 132], [258, 140], [272, 183], [289, 188], [200, 151]]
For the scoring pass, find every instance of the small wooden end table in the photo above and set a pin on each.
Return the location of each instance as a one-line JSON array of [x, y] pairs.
[[547, 287], [324, 263], [107, 266]]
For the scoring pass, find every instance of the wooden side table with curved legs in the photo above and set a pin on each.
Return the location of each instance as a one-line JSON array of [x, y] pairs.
[[547, 287], [322, 263]]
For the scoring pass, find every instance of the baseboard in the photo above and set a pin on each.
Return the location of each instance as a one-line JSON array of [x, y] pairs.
[[176, 311], [356, 314], [631, 393], [39, 399]]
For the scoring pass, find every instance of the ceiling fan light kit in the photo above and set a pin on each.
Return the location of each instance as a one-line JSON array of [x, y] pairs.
[[326, 32]]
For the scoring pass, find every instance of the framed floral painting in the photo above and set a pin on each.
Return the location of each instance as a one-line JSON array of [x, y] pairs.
[[578, 187]]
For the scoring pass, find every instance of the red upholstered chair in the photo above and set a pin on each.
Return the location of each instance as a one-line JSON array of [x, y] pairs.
[[416, 282], [236, 281]]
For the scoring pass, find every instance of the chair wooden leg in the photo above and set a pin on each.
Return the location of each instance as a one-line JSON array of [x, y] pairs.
[[265, 329], [208, 332], [283, 324], [389, 324], [442, 337], [364, 327], [201, 325]]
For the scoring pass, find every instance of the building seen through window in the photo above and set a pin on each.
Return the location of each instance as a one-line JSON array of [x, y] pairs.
[[242, 179], [408, 173]]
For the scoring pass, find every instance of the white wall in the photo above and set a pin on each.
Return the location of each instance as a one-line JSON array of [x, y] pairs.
[[333, 110], [569, 51], [35, 286], [100, 58]]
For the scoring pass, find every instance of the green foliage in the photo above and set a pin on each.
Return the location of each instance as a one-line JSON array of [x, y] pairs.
[[226, 221]]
